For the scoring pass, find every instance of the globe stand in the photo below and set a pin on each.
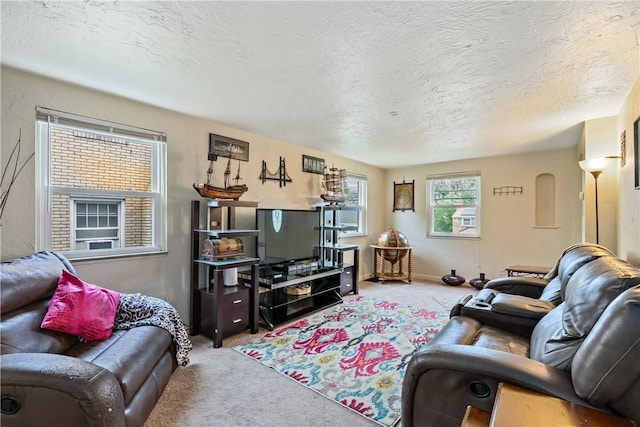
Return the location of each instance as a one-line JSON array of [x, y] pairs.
[[379, 259]]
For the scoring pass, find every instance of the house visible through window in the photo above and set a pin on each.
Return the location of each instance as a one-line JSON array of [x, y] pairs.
[[454, 205], [353, 220], [102, 186]]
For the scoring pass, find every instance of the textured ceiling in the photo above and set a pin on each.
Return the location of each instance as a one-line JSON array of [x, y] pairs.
[[387, 83]]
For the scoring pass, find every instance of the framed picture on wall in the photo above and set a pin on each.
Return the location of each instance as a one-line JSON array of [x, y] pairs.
[[636, 152], [312, 164], [403, 196], [230, 148]]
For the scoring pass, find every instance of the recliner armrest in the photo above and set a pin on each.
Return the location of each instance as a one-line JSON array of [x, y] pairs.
[[56, 390], [516, 319], [442, 380], [506, 367], [526, 286], [455, 310], [516, 305]]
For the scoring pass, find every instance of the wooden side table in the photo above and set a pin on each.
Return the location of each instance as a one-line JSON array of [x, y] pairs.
[[515, 406], [474, 417], [379, 260]]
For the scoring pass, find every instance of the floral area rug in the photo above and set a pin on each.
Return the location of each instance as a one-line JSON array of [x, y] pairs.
[[355, 353]]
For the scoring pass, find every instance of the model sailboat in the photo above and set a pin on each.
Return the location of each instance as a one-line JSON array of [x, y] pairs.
[[232, 192], [334, 183]]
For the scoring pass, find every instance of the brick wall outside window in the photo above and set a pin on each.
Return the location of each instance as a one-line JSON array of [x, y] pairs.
[[87, 160]]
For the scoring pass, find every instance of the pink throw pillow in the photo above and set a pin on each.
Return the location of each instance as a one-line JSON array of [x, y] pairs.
[[82, 309]]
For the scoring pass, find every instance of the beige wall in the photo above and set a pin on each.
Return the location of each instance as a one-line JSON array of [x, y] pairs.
[[628, 196], [600, 140], [165, 276], [508, 234]]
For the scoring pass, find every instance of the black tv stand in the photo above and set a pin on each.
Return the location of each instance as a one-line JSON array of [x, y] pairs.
[[277, 306]]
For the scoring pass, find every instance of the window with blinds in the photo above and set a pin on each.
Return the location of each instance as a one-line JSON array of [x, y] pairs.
[[102, 186], [454, 205], [354, 220]]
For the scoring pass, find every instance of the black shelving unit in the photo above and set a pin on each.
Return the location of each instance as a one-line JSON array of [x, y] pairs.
[[218, 311], [276, 306], [333, 278], [332, 251]]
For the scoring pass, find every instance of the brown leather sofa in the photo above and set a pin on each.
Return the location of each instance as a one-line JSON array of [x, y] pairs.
[[548, 288], [53, 379], [585, 350], [516, 304]]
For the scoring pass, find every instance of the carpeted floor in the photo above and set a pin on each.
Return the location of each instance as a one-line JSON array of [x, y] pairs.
[[222, 387], [354, 353]]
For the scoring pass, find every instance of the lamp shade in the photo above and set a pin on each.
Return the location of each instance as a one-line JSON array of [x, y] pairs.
[[595, 165]]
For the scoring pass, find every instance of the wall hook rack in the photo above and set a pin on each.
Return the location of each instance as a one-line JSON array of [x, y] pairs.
[[507, 190], [280, 175]]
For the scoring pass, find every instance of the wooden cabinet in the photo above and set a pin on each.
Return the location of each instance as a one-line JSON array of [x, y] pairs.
[[217, 309], [515, 406]]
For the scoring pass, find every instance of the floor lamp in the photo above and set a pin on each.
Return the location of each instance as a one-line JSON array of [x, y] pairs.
[[595, 168]]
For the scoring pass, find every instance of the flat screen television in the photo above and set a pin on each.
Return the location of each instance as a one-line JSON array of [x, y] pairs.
[[287, 235]]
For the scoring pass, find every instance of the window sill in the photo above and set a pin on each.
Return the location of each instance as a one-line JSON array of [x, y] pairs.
[[436, 236], [349, 236], [80, 258]]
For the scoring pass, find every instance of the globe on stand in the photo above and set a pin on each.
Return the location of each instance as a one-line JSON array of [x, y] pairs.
[[392, 238], [392, 247]]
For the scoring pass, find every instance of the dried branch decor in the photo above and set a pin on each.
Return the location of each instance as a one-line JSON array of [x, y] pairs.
[[9, 178]]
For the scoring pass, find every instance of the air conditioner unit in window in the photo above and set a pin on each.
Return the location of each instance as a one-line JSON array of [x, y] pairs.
[[100, 244]]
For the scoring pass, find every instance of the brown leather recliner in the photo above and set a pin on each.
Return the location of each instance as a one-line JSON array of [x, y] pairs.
[[516, 304], [586, 351], [53, 379], [548, 288]]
